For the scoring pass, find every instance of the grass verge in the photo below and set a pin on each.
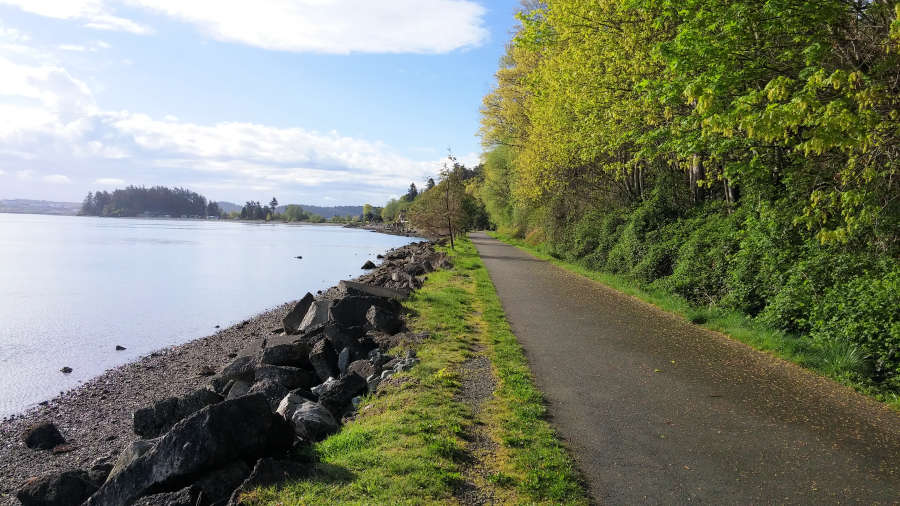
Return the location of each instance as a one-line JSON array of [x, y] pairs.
[[837, 363], [407, 445]]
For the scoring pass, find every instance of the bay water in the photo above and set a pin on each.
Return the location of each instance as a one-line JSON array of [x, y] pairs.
[[72, 288]]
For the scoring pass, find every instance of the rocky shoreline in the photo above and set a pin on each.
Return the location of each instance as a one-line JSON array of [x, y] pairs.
[[293, 371]]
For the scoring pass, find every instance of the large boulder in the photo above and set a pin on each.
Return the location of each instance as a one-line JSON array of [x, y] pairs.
[[289, 377], [313, 421], [188, 496], [43, 436], [131, 453], [316, 315], [267, 472], [239, 388], [64, 489], [354, 288], [241, 368], [369, 265], [157, 419], [351, 310], [218, 484], [323, 359], [240, 429], [336, 398], [381, 319], [273, 391], [344, 360], [362, 368], [294, 318], [289, 354]]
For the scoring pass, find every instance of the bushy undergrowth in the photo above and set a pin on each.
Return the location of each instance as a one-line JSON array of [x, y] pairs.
[[846, 305]]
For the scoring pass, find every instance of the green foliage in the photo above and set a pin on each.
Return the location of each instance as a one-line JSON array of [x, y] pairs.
[[740, 155], [864, 312]]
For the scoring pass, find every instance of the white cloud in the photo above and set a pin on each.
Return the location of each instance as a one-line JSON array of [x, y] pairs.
[[336, 26], [2, 172], [109, 181], [72, 47], [56, 179], [25, 175], [319, 26], [93, 13], [50, 119]]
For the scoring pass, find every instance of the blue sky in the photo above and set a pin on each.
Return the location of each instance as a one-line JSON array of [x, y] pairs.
[[314, 101]]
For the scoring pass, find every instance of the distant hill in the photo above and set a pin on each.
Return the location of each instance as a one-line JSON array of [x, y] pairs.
[[325, 212], [25, 206]]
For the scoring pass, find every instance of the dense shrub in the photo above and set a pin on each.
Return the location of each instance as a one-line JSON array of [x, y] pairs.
[[864, 311], [702, 266], [631, 245]]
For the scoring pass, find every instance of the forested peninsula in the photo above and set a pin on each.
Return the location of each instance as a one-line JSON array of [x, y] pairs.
[[740, 156]]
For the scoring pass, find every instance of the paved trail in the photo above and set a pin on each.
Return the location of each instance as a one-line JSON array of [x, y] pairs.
[[659, 411]]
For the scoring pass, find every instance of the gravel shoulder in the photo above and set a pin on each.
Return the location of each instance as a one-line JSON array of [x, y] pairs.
[[95, 418], [659, 411]]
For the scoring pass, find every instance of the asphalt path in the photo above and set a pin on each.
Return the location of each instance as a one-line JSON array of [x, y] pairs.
[[658, 411]]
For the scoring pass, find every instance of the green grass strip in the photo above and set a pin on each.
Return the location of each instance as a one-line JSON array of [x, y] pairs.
[[407, 444]]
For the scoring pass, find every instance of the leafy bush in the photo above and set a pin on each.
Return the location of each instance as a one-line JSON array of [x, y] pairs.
[[702, 266], [864, 311], [631, 245]]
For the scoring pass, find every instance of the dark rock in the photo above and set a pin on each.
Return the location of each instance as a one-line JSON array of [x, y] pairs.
[[240, 368], [324, 360], [120, 348], [313, 421], [354, 288], [316, 315], [273, 391], [219, 385], [65, 489], [343, 336], [239, 429], [344, 360], [99, 471], [369, 265], [157, 419], [372, 383], [318, 390], [337, 397], [131, 452], [383, 320], [238, 388], [362, 368], [414, 269], [268, 472], [289, 354], [206, 370], [294, 318], [288, 377], [188, 496], [66, 370], [43, 436], [351, 310], [217, 485]]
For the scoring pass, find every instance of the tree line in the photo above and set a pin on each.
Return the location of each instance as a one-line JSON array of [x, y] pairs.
[[154, 201], [742, 155]]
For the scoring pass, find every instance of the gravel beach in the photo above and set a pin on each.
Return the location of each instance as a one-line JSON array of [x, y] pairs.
[[95, 418]]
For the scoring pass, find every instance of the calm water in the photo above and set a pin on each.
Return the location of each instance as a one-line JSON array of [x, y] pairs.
[[73, 288]]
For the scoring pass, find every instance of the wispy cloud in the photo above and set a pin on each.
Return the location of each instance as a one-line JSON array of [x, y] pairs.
[[93, 13], [335, 26], [53, 119], [109, 181], [56, 179]]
